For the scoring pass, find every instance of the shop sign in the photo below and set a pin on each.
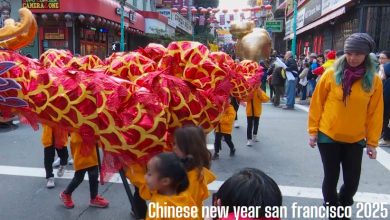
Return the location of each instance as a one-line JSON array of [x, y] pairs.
[[301, 18], [41, 4], [330, 5], [182, 23], [288, 27], [274, 26], [312, 11], [167, 13], [128, 14]]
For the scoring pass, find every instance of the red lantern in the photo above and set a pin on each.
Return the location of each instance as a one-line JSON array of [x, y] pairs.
[[224, 11], [235, 10], [183, 10], [256, 9], [194, 11], [174, 10], [203, 11], [268, 7], [215, 10], [209, 9]]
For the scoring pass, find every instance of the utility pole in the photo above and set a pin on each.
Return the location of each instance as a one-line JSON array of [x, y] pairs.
[[294, 40], [122, 42]]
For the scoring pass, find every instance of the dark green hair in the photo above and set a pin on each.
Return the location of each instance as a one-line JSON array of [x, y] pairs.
[[368, 77]]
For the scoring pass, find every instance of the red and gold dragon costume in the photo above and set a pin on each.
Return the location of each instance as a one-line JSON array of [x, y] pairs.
[[131, 102]]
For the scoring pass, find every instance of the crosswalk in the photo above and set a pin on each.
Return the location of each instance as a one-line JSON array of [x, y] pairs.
[[290, 191]]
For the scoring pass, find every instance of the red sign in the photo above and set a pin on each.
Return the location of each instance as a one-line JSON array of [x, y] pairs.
[[41, 4]]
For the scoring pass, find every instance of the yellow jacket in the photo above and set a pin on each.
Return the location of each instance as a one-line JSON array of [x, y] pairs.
[[259, 97], [198, 185], [226, 122], [83, 156], [360, 118], [136, 174], [54, 136]]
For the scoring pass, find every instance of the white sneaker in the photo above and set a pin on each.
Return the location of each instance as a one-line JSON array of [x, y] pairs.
[[61, 171], [255, 138], [50, 183], [236, 125], [70, 161], [56, 162], [249, 143]]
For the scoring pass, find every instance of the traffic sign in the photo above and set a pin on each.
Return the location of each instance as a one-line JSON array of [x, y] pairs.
[[274, 25]]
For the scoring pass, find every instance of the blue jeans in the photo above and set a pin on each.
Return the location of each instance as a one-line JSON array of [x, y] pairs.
[[312, 86], [290, 93], [303, 90]]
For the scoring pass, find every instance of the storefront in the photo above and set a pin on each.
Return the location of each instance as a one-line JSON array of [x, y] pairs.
[[325, 24], [82, 27]]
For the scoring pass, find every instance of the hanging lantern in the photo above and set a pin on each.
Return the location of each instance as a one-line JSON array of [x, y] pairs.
[[235, 10], [209, 9], [174, 10], [183, 10], [224, 11], [203, 11], [104, 21], [56, 16], [98, 20], [44, 17], [268, 7], [256, 9], [91, 19], [68, 17], [215, 10], [194, 11], [81, 18]]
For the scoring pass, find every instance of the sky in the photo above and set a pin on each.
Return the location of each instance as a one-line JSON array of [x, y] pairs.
[[232, 4]]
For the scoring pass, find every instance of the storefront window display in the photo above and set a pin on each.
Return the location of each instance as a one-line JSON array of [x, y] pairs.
[[93, 41]]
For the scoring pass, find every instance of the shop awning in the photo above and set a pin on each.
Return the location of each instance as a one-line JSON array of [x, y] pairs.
[[102, 8], [320, 21]]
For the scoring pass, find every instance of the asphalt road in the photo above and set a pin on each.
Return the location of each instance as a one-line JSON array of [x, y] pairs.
[[282, 153]]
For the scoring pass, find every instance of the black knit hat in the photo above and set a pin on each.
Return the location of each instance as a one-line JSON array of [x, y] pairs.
[[359, 43]]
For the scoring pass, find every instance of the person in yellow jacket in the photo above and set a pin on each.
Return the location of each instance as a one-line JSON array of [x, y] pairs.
[[84, 161], [190, 145], [164, 184], [345, 116], [54, 139], [253, 111], [224, 129]]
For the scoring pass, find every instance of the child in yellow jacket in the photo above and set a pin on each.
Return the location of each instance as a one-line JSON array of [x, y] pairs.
[[54, 139], [83, 162], [253, 112], [164, 184], [190, 145], [224, 129]]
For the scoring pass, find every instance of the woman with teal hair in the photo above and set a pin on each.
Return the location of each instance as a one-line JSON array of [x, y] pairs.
[[345, 117]]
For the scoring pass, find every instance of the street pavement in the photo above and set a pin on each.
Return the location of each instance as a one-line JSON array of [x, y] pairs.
[[282, 153]]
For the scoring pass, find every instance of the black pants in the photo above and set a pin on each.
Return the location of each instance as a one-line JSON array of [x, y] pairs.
[[218, 141], [385, 128], [279, 91], [271, 91], [253, 126], [350, 158], [236, 105], [48, 159], [93, 175]]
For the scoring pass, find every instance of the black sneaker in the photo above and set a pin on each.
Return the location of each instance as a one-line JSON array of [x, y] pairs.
[[232, 152], [215, 157]]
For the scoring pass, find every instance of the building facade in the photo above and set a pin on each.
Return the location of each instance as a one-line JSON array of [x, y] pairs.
[[325, 24]]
